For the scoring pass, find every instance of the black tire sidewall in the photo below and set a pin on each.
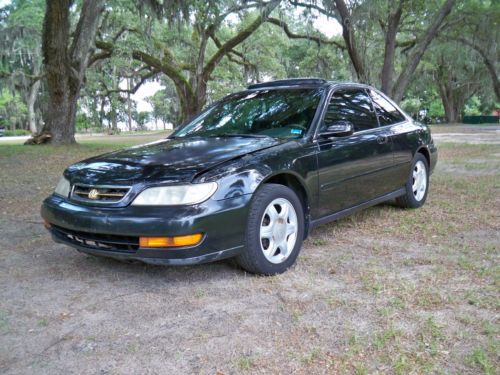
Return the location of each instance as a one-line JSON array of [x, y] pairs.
[[262, 198]]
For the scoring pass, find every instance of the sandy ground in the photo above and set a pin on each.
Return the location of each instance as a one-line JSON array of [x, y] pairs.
[[384, 291]]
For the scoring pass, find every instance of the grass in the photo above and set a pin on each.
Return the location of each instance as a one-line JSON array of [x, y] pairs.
[[244, 363], [311, 356], [384, 338], [4, 322], [480, 358]]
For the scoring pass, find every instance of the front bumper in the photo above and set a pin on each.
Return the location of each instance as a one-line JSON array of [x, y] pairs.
[[86, 228]]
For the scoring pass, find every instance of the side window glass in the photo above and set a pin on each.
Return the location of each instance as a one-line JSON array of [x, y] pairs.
[[386, 112], [351, 105]]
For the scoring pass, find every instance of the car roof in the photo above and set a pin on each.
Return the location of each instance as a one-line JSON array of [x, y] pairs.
[[290, 82], [301, 82]]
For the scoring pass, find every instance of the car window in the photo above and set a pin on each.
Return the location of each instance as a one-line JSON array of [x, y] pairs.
[[351, 105], [387, 113], [280, 113]]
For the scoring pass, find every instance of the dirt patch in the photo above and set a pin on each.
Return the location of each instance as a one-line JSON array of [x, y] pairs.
[[383, 291]]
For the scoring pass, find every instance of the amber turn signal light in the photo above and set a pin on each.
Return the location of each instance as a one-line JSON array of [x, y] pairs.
[[177, 241]]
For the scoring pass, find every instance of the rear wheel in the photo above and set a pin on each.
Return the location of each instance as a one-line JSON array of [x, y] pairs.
[[275, 230], [417, 185]]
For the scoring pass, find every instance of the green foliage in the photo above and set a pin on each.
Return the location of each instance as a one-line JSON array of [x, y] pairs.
[[27, 14], [16, 132], [436, 109], [165, 105], [20, 53], [141, 118], [82, 122], [12, 109], [172, 31], [411, 106], [473, 106]]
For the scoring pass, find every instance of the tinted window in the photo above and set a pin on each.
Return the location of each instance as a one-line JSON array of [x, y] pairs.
[[386, 112], [354, 106], [276, 113]]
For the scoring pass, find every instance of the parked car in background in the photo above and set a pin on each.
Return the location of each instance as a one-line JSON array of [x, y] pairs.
[[247, 178], [2, 130]]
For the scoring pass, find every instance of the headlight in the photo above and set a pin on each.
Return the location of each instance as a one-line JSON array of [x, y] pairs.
[[62, 188], [175, 195]]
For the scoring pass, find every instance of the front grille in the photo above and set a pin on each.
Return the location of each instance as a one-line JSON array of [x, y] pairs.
[[96, 241], [100, 194]]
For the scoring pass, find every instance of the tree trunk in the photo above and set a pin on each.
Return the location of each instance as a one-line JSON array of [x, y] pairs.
[[452, 109], [390, 49], [404, 78], [102, 112], [65, 63], [453, 99], [31, 106], [114, 121], [350, 41], [449, 110], [129, 106], [189, 107]]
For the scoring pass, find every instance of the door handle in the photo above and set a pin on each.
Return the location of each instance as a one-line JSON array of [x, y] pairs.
[[382, 139]]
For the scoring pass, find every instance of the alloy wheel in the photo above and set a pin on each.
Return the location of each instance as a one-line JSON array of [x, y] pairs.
[[419, 180], [278, 230]]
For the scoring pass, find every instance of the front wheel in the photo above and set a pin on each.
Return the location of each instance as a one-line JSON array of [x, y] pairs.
[[417, 185], [275, 231]]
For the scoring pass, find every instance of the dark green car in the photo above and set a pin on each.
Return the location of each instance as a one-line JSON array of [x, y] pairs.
[[247, 178]]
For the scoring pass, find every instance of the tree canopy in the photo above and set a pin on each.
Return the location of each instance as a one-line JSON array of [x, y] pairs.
[[71, 65]]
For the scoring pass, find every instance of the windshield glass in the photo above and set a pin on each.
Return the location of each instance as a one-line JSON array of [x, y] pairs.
[[279, 113]]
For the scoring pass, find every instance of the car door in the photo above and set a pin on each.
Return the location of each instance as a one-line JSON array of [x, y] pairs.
[[352, 169], [403, 134]]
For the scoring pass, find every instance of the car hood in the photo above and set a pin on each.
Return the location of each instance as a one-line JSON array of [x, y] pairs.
[[165, 161]]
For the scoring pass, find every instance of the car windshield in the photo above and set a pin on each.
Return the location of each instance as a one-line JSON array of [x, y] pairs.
[[278, 113]]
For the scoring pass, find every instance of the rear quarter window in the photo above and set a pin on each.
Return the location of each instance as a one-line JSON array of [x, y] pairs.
[[387, 113]]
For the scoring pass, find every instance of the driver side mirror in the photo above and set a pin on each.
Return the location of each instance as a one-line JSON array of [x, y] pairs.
[[340, 128]]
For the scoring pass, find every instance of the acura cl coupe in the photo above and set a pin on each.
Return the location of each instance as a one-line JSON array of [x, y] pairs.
[[246, 178]]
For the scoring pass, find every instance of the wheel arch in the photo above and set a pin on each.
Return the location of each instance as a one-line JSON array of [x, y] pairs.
[[424, 151], [295, 183]]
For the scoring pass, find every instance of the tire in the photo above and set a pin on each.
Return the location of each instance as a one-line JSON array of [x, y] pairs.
[[417, 185], [271, 245]]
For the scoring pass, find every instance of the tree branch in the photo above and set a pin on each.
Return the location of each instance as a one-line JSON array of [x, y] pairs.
[[238, 38], [350, 40], [490, 65], [239, 8], [169, 69], [243, 61], [136, 87], [328, 13], [106, 47], [313, 38], [414, 59], [406, 43]]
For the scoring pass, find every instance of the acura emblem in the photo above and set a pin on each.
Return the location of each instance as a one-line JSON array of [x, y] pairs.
[[93, 194]]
